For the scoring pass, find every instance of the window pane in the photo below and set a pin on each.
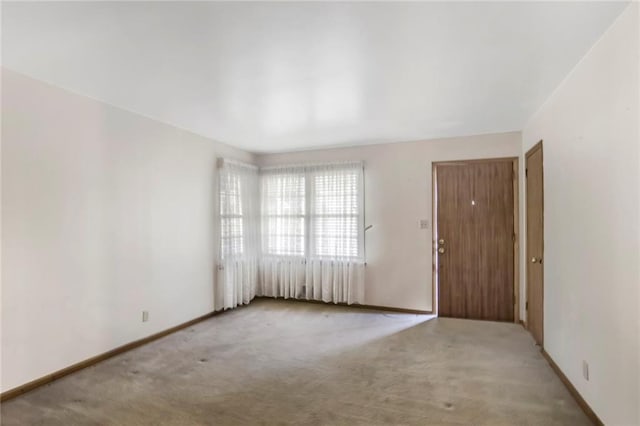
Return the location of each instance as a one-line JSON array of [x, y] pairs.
[[230, 194], [283, 194], [336, 236], [336, 193], [285, 236], [231, 236]]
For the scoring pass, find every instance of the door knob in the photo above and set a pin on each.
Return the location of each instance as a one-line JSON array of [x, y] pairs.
[[441, 250], [536, 260], [441, 241]]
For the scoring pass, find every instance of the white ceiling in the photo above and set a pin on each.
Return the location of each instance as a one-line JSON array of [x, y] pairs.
[[270, 77]]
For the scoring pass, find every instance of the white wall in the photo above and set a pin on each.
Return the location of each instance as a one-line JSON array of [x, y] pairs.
[[105, 214], [638, 186], [397, 196], [592, 222]]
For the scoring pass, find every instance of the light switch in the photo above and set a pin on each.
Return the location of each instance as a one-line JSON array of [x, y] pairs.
[[424, 224]]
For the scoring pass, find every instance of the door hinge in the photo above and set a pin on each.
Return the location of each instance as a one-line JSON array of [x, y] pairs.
[[526, 172], [526, 306]]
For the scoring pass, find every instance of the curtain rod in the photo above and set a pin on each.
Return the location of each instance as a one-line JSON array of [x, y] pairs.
[[312, 165], [222, 161]]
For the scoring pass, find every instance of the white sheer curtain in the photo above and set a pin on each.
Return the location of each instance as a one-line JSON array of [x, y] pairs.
[[335, 263], [312, 232], [239, 234], [284, 202]]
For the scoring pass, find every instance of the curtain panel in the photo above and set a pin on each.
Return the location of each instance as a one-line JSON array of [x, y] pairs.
[[238, 269], [326, 280]]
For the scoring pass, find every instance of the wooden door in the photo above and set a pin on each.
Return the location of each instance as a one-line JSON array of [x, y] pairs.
[[475, 239], [535, 243]]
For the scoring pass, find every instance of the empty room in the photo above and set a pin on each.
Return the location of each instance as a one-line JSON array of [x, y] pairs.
[[320, 213]]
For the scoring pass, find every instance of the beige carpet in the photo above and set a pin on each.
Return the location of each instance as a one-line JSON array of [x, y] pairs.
[[279, 362]]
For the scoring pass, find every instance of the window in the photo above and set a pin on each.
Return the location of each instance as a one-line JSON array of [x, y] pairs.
[[335, 225], [293, 231], [238, 209], [231, 216], [283, 212], [313, 211]]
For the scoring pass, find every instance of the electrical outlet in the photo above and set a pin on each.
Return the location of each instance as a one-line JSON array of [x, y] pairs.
[[585, 370], [145, 316], [424, 224]]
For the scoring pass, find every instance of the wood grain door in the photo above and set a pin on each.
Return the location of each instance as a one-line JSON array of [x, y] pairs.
[[535, 243], [475, 239]]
